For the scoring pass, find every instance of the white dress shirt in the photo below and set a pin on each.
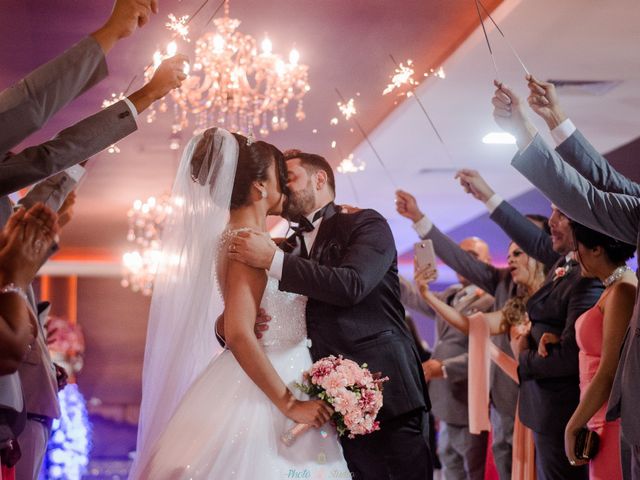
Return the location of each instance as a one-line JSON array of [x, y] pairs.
[[277, 263]]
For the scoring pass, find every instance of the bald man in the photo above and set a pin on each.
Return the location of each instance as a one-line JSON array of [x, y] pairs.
[[462, 454]]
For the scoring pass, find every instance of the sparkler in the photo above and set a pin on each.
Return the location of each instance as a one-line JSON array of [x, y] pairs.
[[486, 37], [179, 26], [347, 109], [411, 93], [366, 137], [348, 167], [513, 50], [403, 75]]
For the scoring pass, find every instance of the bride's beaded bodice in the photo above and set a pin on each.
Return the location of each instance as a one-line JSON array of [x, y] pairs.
[[287, 310]]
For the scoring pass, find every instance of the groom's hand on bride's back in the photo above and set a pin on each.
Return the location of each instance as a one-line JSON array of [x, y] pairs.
[[256, 249]]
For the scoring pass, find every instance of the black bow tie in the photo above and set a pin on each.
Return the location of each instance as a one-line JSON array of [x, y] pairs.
[[304, 226]]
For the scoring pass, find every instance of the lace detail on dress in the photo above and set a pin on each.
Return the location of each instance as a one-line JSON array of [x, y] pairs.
[[287, 310]]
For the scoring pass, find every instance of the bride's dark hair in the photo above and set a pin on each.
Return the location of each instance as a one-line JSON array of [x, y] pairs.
[[253, 162]]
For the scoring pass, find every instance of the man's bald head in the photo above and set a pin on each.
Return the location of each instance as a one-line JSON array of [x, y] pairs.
[[477, 247]]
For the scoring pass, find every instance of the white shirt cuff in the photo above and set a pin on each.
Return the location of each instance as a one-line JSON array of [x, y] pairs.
[[563, 131], [493, 202], [132, 107], [423, 226], [76, 172], [277, 264]]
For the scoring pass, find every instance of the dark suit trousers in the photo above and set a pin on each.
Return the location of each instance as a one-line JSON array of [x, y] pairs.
[[398, 451], [552, 463]]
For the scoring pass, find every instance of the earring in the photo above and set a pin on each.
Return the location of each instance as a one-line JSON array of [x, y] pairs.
[[263, 193]]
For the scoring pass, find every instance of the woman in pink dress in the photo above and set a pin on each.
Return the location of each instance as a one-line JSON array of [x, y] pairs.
[[528, 274], [599, 333]]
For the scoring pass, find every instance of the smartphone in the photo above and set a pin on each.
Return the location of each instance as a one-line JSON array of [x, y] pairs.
[[424, 254]]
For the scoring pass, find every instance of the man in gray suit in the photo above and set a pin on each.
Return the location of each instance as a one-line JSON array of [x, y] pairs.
[[582, 183], [498, 283], [24, 108], [463, 455]]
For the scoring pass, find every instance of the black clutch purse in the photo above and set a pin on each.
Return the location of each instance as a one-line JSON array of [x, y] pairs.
[[587, 444]]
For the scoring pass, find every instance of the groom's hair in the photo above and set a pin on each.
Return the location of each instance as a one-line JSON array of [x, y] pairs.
[[312, 163]]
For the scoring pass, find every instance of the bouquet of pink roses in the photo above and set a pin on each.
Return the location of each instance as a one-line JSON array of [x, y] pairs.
[[354, 393]]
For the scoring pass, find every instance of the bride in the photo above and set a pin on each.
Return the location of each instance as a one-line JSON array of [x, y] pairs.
[[208, 416]]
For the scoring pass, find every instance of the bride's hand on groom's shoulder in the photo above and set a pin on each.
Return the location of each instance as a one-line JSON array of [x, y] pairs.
[[255, 249]]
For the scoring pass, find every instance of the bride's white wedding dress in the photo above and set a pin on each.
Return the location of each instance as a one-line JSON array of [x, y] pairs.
[[225, 427]]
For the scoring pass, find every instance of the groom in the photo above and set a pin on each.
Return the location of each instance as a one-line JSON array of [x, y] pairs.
[[345, 263]]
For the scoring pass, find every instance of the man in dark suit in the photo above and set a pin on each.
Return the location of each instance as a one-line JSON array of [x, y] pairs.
[[549, 386], [346, 264]]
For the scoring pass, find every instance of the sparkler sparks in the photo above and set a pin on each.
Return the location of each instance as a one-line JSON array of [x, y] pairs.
[[436, 73], [348, 165], [179, 26], [334, 120], [347, 109], [402, 75]]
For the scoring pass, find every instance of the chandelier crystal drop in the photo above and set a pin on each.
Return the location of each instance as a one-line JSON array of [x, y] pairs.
[[235, 83]]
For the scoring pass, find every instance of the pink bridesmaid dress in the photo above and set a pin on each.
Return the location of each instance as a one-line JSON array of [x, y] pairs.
[[481, 352], [589, 332]]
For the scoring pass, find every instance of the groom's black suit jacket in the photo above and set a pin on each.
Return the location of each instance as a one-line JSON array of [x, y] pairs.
[[354, 309]]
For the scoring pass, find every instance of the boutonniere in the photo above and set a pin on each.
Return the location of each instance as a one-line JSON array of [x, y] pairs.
[[561, 272]]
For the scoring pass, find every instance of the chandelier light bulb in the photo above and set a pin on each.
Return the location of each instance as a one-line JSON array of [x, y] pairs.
[[294, 57], [267, 46], [218, 44]]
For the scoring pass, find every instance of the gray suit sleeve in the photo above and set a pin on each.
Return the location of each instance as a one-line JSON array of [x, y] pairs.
[[71, 146], [614, 214], [578, 152], [477, 272], [26, 106], [533, 240], [411, 298]]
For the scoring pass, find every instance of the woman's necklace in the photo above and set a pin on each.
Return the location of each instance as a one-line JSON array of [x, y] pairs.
[[616, 275]]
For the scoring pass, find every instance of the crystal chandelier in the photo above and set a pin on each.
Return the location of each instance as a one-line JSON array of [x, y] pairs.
[[146, 221], [235, 85]]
